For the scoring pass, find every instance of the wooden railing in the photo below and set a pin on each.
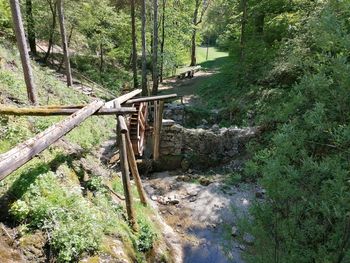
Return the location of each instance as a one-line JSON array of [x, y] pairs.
[[24, 152]]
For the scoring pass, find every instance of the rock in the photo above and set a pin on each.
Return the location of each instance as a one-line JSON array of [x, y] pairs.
[[154, 198], [173, 200], [248, 239], [205, 181], [215, 128], [192, 192], [241, 247], [193, 199], [234, 231], [185, 165], [260, 194], [183, 178]]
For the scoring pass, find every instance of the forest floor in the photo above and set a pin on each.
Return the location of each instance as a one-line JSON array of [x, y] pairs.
[[205, 214]]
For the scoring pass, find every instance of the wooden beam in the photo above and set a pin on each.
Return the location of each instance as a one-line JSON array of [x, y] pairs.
[[22, 153], [40, 111], [125, 174], [135, 171], [122, 125], [152, 98], [158, 117], [123, 98]]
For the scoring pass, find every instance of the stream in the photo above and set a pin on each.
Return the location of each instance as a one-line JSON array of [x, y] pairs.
[[202, 212]]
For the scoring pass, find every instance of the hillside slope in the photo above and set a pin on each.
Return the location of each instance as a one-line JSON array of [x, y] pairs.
[[62, 205]]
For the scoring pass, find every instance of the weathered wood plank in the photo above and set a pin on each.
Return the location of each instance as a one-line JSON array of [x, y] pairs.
[[122, 99], [159, 107], [40, 111], [152, 98], [125, 174], [22, 153], [135, 171]]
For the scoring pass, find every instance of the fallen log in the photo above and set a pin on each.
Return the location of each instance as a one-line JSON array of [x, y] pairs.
[[152, 98], [40, 111], [22, 153]]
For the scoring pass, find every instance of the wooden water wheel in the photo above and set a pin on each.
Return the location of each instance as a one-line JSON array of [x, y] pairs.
[[137, 126]]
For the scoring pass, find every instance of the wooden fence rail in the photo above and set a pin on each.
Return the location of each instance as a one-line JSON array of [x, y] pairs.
[[22, 153]]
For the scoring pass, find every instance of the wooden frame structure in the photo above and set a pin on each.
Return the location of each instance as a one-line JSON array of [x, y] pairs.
[[24, 152]]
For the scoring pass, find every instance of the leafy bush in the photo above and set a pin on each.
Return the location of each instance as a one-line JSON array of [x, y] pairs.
[[305, 167], [145, 238], [74, 225]]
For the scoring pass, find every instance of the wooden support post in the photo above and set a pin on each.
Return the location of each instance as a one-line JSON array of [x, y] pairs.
[[158, 117], [122, 131], [135, 171]]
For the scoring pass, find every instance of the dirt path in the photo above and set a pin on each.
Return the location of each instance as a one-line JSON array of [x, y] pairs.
[[186, 89]]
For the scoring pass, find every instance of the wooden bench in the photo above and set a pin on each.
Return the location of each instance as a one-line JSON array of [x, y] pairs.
[[189, 72]]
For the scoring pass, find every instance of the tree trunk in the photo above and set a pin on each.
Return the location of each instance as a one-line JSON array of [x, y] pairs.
[[194, 34], [69, 39], [60, 11], [101, 62], [259, 24], [155, 48], [53, 26], [162, 44], [134, 48], [243, 27], [31, 27], [23, 50], [144, 56]]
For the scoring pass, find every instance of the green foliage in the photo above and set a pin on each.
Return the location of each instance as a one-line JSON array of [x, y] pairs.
[[303, 168], [70, 220], [145, 238], [74, 225]]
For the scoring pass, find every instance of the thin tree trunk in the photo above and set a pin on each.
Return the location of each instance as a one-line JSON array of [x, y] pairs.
[[101, 62], [144, 56], [64, 42], [194, 34], [69, 39], [134, 48], [155, 48], [243, 27], [31, 27], [162, 43], [23, 50], [53, 26], [207, 56]]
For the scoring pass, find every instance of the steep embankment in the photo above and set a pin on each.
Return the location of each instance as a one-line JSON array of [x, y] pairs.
[[63, 205]]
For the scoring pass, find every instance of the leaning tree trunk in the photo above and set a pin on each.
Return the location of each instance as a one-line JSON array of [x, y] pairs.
[[134, 49], [60, 11], [144, 57], [162, 44], [194, 34], [31, 27], [155, 48], [23, 50]]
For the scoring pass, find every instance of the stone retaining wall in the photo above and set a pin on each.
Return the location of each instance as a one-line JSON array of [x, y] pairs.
[[200, 148]]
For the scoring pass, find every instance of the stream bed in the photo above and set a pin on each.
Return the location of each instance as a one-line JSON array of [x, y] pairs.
[[202, 211]]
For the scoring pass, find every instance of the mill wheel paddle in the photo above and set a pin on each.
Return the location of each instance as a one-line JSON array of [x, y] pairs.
[[138, 126]]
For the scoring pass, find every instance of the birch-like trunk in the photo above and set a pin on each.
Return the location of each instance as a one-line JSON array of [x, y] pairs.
[[23, 50], [61, 19]]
